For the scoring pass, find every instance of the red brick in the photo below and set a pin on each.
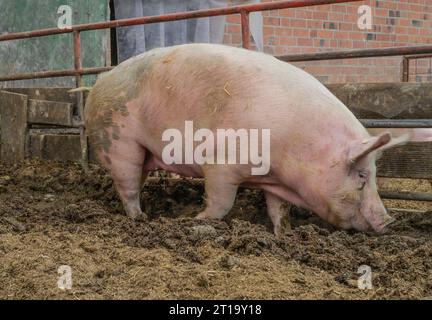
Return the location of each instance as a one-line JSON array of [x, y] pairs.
[[269, 30], [234, 28], [272, 21], [335, 16], [282, 32], [325, 34], [342, 35], [314, 24], [301, 32], [359, 44], [356, 35], [346, 26], [320, 15], [304, 42], [300, 23], [290, 13], [287, 41], [304, 14]]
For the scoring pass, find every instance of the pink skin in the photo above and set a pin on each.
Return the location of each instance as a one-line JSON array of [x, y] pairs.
[[320, 153], [416, 135]]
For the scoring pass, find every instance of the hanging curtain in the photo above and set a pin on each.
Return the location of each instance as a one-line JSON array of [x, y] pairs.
[[137, 39]]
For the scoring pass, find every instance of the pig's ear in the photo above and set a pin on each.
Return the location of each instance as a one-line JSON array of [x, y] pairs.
[[421, 135], [378, 143], [362, 149], [397, 141]]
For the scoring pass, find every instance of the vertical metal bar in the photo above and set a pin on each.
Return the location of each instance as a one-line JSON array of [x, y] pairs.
[[430, 66], [80, 99], [245, 29], [405, 69]]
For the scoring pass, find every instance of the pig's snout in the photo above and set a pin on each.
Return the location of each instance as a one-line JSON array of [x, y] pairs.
[[384, 226]]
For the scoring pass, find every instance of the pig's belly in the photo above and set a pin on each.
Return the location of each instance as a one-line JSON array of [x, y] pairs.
[[153, 163]]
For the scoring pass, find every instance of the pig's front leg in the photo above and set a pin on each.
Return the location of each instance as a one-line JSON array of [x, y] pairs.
[[278, 211], [221, 190], [125, 163]]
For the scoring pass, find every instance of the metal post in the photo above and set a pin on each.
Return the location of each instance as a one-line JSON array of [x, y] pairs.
[[80, 99], [413, 196], [397, 123], [245, 29], [405, 69]]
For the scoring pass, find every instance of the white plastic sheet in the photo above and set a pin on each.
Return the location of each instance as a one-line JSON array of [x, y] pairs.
[[137, 39]]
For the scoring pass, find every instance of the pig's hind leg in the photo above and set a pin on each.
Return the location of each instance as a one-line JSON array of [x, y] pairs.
[[278, 211], [125, 162], [221, 189]]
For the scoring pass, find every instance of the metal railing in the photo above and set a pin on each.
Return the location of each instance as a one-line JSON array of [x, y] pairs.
[[406, 64]]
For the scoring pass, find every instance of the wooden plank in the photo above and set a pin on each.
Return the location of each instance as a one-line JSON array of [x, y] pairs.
[[13, 125], [386, 100], [50, 112], [50, 94], [413, 160], [56, 146]]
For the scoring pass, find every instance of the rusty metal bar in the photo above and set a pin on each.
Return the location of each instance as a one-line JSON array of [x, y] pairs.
[[402, 123], [406, 65], [419, 56], [368, 53], [363, 53], [80, 98], [413, 196], [173, 17], [405, 69], [77, 58], [54, 74], [245, 29]]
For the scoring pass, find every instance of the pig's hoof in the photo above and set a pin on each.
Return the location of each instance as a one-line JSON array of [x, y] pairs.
[[141, 217], [283, 229], [281, 232], [202, 215], [137, 215]]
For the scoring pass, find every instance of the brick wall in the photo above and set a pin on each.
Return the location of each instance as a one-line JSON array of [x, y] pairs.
[[334, 28]]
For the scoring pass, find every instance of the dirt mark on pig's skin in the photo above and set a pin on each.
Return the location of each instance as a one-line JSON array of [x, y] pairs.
[[109, 97], [216, 101], [99, 134], [107, 159], [170, 57]]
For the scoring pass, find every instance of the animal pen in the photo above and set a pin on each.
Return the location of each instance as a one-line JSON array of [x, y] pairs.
[[56, 216], [25, 117]]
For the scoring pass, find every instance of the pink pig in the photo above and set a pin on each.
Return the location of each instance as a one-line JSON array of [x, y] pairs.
[[322, 158]]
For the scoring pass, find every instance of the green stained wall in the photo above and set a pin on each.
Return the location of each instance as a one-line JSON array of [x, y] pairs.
[[50, 52]]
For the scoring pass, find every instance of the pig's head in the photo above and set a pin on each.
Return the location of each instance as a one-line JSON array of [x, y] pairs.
[[352, 199]]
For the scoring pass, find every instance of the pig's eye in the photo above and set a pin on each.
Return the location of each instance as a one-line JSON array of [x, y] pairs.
[[363, 176]]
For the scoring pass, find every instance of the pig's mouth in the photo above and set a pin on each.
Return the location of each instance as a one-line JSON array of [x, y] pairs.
[[383, 227], [372, 222], [378, 222]]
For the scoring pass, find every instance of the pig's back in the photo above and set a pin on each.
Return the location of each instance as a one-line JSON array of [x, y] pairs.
[[215, 86]]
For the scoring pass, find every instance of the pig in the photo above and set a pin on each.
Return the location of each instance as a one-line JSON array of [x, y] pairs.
[[321, 157]]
